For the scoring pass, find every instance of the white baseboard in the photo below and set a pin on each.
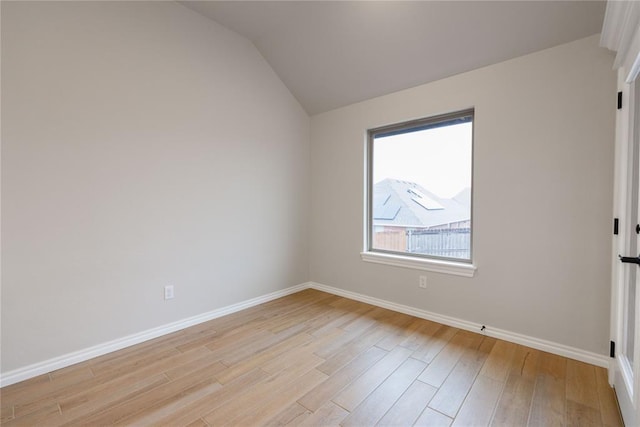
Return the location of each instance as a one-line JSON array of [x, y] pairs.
[[24, 373], [539, 344], [21, 374]]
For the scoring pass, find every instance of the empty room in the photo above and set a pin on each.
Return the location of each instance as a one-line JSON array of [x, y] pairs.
[[320, 213]]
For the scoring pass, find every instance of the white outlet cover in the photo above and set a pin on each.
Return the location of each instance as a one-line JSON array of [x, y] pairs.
[[168, 292], [423, 282]]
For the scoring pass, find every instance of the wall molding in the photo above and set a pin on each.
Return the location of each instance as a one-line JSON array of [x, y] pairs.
[[621, 33], [438, 266], [30, 371], [537, 343]]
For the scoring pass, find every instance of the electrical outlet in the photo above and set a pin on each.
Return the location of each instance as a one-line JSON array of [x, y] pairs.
[[423, 282], [168, 292]]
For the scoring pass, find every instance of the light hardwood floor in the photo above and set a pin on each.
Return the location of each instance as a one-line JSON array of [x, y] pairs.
[[317, 359]]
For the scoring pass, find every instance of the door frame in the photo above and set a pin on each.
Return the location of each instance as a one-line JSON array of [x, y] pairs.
[[621, 33], [627, 131]]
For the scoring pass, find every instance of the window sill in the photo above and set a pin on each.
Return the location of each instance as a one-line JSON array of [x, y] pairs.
[[447, 267]]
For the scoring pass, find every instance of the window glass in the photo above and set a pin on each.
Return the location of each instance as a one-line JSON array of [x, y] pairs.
[[419, 189]]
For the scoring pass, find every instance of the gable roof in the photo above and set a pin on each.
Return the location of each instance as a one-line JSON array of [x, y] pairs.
[[407, 204]]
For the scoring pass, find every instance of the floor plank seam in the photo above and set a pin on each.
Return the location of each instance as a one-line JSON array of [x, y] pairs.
[[495, 406], [337, 404], [324, 352]]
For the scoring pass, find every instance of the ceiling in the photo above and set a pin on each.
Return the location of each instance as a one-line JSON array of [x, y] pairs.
[[334, 53]]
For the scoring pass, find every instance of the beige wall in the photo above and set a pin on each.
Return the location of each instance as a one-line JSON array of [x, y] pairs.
[[543, 171], [142, 145]]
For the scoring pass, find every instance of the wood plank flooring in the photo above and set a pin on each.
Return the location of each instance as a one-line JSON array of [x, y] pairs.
[[312, 359]]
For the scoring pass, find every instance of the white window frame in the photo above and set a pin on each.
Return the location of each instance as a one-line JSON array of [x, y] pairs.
[[464, 268]]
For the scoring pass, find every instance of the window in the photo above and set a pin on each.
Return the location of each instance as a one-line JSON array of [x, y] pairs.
[[419, 182]]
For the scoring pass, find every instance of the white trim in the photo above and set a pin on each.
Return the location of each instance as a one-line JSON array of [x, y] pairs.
[[627, 127], [539, 344], [632, 60], [24, 373], [620, 211], [447, 267], [69, 359], [624, 401], [620, 33], [615, 32]]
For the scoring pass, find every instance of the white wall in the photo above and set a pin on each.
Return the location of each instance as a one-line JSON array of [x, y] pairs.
[[543, 173], [142, 145]]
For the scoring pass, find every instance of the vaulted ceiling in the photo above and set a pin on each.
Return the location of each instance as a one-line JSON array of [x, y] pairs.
[[334, 53]]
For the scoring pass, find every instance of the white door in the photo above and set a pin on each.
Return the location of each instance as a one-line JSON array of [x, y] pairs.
[[626, 286]]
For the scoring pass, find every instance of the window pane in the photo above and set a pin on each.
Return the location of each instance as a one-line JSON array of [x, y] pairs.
[[421, 188]]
